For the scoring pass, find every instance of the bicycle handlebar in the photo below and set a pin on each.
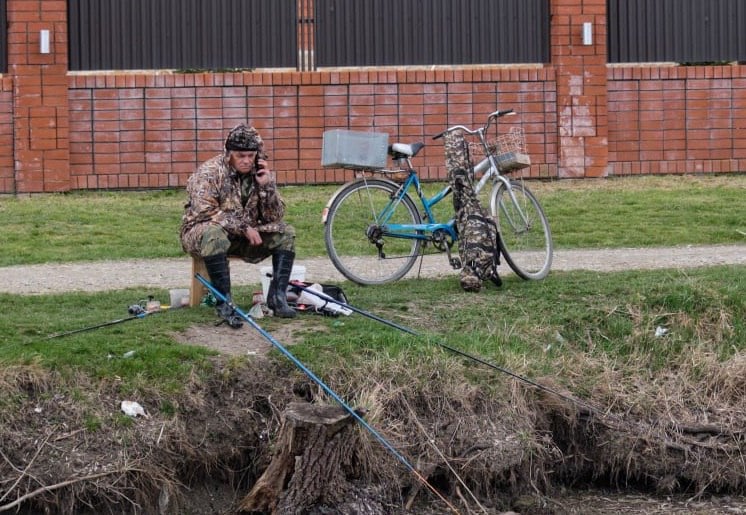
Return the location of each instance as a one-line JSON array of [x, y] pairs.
[[496, 114], [449, 129]]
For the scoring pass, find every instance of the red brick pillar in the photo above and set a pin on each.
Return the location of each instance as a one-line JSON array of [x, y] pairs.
[[582, 118], [41, 118]]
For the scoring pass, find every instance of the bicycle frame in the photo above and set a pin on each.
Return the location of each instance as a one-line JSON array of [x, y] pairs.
[[487, 166], [489, 163], [424, 231]]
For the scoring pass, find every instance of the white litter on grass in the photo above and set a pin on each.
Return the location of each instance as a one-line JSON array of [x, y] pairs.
[[660, 331], [128, 354], [133, 409], [256, 311]]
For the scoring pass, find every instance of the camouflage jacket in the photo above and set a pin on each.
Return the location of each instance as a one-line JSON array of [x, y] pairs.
[[214, 192]]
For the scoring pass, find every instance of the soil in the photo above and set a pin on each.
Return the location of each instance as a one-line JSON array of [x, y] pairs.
[[243, 400], [223, 339]]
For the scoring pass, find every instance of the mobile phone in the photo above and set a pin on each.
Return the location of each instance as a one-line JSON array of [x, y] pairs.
[[256, 161], [259, 169]]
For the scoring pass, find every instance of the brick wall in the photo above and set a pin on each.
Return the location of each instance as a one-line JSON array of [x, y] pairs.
[[581, 87], [150, 130], [7, 170], [145, 131], [39, 114], [677, 120]]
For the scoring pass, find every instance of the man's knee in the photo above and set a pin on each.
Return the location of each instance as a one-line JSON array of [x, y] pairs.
[[285, 240], [274, 241], [214, 241]]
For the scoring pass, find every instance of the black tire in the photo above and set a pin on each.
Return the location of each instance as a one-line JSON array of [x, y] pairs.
[[351, 224], [527, 248]]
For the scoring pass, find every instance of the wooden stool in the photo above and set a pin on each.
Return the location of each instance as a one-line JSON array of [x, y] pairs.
[[197, 291]]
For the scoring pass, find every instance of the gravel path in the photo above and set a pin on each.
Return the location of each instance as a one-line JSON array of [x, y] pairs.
[[176, 273]]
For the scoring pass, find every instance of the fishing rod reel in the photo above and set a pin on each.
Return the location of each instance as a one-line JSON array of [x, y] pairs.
[[149, 305], [136, 309]]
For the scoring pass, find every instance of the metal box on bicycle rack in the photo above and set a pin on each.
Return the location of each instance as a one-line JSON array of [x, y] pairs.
[[355, 150]]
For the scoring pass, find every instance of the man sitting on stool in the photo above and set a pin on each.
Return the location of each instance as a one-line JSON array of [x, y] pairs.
[[234, 209]]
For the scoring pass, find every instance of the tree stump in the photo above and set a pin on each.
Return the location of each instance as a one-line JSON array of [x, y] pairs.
[[313, 448]]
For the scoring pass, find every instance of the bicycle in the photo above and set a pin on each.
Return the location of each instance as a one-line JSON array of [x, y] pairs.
[[374, 232]]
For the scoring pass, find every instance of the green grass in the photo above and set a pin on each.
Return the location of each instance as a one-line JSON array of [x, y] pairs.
[[86, 226], [536, 328], [532, 326], [649, 211], [630, 212], [623, 308], [26, 322]]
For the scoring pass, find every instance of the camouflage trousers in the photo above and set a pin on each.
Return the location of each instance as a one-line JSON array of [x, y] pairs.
[[215, 240]]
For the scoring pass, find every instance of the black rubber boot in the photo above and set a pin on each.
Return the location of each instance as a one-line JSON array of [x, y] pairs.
[[220, 277], [277, 301]]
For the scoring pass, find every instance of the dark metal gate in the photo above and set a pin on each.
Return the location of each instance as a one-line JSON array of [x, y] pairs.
[[431, 32], [182, 34], [682, 31], [3, 37]]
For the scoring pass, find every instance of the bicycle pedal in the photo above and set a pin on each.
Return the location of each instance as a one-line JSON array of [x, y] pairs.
[[455, 263]]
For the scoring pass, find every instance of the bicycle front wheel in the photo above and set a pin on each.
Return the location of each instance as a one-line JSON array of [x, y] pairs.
[[358, 234], [525, 238]]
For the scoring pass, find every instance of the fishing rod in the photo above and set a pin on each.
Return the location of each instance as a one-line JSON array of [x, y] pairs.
[[136, 313], [454, 350], [218, 295], [135, 310]]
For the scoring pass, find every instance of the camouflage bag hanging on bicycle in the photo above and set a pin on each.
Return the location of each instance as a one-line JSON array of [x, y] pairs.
[[477, 231]]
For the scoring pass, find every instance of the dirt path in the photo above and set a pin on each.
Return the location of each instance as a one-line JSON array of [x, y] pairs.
[[176, 273]]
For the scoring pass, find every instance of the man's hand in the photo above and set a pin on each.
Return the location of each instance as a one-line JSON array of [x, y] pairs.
[[263, 174], [252, 235]]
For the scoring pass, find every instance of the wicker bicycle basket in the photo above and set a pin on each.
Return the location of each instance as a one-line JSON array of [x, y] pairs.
[[509, 150]]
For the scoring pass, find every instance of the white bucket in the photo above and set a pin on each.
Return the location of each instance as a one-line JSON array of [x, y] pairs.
[[179, 298], [297, 274]]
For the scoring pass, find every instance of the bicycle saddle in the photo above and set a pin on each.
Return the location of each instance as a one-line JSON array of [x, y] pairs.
[[404, 150]]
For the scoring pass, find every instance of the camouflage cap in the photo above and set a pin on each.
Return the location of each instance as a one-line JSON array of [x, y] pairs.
[[243, 138]]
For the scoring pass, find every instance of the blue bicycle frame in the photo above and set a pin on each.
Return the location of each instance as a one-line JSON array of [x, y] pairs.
[[419, 231]]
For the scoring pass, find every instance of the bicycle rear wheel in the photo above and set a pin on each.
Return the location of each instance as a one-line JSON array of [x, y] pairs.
[[525, 238], [356, 236]]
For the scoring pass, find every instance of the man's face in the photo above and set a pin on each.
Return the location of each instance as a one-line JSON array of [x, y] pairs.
[[243, 160]]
